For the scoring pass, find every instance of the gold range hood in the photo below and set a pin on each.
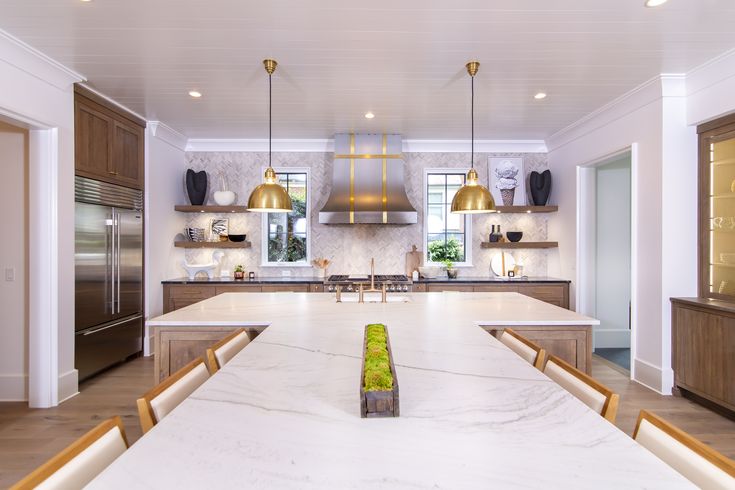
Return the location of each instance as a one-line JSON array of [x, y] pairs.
[[368, 182]]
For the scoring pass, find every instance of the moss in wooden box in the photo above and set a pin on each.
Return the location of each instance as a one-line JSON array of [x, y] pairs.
[[378, 376]]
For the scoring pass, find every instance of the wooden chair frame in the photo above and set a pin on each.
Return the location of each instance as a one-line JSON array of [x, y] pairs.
[[212, 362], [612, 399], [540, 352], [46, 470], [724, 463], [145, 410]]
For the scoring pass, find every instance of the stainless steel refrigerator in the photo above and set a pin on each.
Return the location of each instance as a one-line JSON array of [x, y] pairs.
[[108, 259]]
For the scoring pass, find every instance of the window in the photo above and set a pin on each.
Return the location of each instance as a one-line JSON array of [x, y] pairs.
[[445, 233], [286, 235]]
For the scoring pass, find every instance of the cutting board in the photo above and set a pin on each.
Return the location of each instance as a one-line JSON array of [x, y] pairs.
[[413, 260]]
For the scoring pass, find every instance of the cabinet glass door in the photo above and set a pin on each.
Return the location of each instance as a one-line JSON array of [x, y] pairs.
[[720, 219]]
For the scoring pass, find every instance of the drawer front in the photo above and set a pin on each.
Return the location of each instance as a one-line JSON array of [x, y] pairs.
[[495, 288], [419, 288], [245, 288], [553, 294], [316, 288], [278, 288], [186, 291], [432, 288]]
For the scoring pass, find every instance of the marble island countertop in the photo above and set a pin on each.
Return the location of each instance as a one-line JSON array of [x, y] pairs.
[[285, 411], [320, 280]]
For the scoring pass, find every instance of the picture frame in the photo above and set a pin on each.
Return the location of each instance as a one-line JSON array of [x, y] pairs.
[[507, 179], [218, 227]]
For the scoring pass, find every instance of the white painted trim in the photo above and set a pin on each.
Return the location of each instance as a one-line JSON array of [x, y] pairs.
[[43, 341], [327, 145], [14, 387], [35, 63], [264, 223], [68, 385], [648, 375], [425, 228], [168, 135], [112, 101], [722, 59]]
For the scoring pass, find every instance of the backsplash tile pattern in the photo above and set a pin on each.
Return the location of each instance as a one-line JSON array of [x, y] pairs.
[[350, 247]]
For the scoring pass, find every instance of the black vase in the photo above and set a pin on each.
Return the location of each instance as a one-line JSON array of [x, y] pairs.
[[540, 184], [196, 186]]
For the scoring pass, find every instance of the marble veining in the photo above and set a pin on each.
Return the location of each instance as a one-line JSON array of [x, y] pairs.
[[284, 412]]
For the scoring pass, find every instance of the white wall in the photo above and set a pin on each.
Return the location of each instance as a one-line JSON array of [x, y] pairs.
[[39, 93], [612, 254], [652, 119], [165, 167], [710, 89], [14, 142]]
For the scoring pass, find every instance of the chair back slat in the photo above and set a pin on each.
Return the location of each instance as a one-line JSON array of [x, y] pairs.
[[220, 353], [525, 348]]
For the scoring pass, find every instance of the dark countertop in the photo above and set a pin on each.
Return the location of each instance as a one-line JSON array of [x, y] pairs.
[[488, 279], [319, 280], [257, 280], [714, 304]]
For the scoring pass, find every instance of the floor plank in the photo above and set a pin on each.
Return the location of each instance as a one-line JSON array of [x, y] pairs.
[[28, 437]]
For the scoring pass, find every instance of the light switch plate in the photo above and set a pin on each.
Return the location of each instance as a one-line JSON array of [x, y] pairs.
[[10, 274]]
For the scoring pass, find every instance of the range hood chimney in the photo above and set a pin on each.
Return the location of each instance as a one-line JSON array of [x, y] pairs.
[[367, 183]]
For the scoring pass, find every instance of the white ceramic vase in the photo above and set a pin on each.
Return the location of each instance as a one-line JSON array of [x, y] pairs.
[[224, 198]]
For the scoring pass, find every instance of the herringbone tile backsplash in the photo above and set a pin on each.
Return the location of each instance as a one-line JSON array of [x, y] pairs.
[[350, 247]]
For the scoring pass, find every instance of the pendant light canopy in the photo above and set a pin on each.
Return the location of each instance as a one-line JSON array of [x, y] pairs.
[[473, 198], [270, 197]]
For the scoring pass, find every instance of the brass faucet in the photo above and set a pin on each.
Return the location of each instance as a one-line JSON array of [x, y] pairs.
[[383, 290]]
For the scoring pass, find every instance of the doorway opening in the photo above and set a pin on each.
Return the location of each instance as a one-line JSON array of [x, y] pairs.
[[606, 254]]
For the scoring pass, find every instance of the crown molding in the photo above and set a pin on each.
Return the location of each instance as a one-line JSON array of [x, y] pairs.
[[167, 134], [113, 102], [327, 145], [663, 85], [35, 63]]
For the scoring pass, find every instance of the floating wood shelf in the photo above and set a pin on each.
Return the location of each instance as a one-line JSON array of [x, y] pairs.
[[212, 244], [210, 209], [519, 244], [527, 209]]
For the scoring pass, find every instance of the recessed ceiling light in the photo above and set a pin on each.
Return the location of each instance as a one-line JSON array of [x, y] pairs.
[[195, 94], [369, 115], [540, 95], [654, 3], [85, 1]]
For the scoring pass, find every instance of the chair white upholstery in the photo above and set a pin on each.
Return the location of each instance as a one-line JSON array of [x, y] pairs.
[[583, 387], [220, 353], [81, 462], [524, 350], [684, 454], [162, 399]]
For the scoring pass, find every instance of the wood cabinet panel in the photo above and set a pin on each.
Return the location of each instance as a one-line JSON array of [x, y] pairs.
[[316, 288], [245, 288], [556, 294], [553, 293], [128, 153], [437, 288], [703, 345], [280, 288], [92, 141], [495, 288], [177, 296]]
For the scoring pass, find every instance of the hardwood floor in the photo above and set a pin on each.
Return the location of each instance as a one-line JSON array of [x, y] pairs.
[[28, 437]]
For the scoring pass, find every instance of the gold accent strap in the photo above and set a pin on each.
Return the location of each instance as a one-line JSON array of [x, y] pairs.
[[385, 179], [352, 178], [368, 156]]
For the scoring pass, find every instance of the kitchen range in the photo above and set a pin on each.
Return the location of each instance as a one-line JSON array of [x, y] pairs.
[[393, 283]]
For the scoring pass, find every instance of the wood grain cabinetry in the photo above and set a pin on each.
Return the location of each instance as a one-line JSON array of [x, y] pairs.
[[109, 143], [703, 349], [554, 293], [177, 296]]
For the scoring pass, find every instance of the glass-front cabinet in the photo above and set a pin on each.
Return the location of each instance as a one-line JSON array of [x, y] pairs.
[[717, 211]]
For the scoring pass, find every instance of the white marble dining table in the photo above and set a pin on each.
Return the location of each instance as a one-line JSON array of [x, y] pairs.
[[285, 412]]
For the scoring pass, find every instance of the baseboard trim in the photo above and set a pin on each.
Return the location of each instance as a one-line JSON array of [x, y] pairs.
[[649, 376], [612, 338], [68, 385], [13, 387]]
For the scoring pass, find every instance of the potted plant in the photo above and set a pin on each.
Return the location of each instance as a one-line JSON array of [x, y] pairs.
[[451, 271], [239, 272], [378, 383]]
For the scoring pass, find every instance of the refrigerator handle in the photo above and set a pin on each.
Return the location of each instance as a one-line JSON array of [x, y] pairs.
[[117, 274], [113, 256]]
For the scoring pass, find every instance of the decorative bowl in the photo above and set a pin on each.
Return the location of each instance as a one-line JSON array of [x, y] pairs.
[[514, 236], [194, 234], [430, 271], [237, 238], [224, 198]]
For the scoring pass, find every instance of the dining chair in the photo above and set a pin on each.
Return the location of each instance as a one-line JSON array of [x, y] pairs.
[[528, 350], [694, 460], [595, 395], [220, 353], [82, 461], [161, 400]]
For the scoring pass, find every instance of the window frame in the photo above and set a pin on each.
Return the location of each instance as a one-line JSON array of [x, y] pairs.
[[467, 217], [264, 262]]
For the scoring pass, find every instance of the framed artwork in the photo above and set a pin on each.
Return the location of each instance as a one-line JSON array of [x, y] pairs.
[[507, 181], [219, 227]]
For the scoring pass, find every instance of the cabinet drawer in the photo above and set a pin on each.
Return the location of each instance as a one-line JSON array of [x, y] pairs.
[[553, 294], [316, 288], [419, 288], [245, 288], [278, 288], [186, 291], [450, 287], [495, 288]]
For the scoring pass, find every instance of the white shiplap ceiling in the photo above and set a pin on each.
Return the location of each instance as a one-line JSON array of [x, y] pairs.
[[401, 59]]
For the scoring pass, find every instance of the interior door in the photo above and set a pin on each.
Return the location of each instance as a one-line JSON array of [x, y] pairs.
[[93, 265], [130, 262]]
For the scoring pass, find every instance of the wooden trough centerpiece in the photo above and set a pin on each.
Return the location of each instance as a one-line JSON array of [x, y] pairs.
[[378, 381]]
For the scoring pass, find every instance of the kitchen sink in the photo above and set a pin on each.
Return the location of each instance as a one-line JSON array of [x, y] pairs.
[[375, 298]]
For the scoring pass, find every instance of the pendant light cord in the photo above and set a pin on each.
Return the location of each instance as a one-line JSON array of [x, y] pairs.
[[270, 118], [472, 117]]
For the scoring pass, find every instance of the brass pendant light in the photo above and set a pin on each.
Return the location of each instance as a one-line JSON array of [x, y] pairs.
[[473, 198], [270, 197]]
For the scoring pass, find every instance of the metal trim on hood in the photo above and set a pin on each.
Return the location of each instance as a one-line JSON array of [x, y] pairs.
[[368, 182]]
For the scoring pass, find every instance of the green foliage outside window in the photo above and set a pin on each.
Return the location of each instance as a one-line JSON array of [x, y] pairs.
[[449, 250]]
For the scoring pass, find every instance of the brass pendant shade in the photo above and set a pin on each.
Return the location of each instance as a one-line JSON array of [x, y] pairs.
[[270, 196], [473, 198]]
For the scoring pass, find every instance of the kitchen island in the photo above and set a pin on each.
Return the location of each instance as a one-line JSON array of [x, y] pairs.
[[285, 411]]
